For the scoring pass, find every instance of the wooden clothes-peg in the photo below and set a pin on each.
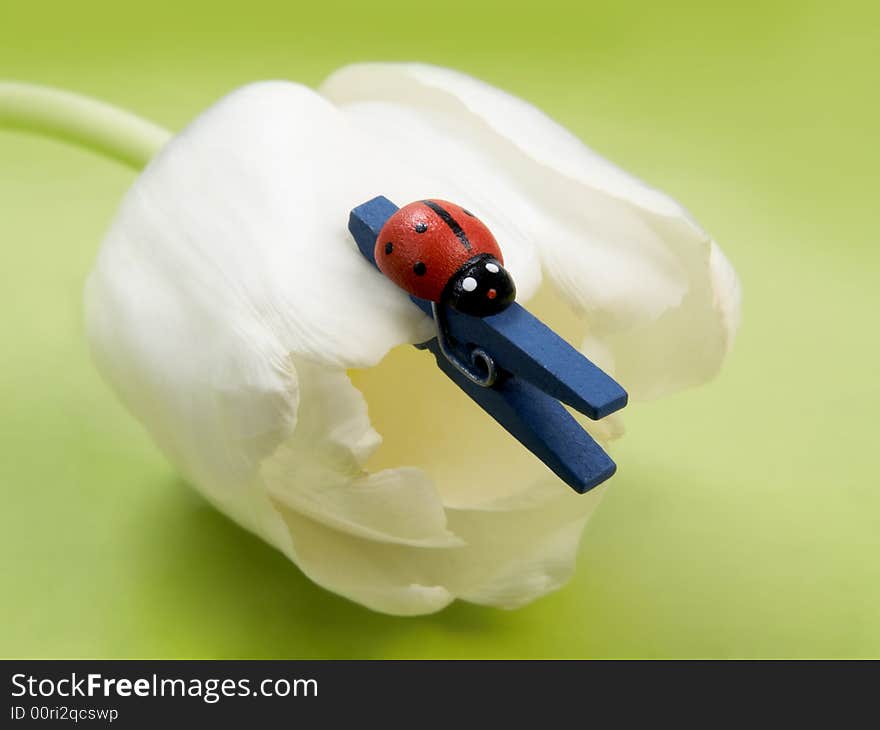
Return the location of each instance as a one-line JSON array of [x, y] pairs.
[[512, 365]]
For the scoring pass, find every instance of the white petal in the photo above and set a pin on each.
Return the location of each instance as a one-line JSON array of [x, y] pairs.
[[383, 577], [229, 256], [318, 471], [687, 344], [522, 547], [513, 552], [627, 258]]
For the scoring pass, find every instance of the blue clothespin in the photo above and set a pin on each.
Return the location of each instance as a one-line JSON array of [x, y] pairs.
[[516, 368]]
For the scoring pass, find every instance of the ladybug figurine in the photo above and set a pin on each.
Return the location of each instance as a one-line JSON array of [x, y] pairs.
[[440, 252]]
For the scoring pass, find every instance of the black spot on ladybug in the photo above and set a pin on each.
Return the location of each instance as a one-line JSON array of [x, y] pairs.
[[420, 268], [467, 212], [389, 247], [421, 227]]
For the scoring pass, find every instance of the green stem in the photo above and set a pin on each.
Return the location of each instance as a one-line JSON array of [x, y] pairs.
[[82, 121]]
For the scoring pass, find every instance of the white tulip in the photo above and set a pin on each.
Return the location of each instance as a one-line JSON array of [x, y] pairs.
[[228, 302]]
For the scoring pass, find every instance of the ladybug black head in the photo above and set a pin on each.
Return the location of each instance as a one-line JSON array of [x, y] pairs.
[[481, 287]]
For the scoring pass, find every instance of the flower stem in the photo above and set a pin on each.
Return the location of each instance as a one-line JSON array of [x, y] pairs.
[[80, 120]]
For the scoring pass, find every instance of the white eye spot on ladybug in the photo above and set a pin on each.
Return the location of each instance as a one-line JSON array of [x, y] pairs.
[[469, 283], [492, 267]]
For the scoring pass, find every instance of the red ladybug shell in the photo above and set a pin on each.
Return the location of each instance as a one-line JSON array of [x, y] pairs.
[[425, 243]]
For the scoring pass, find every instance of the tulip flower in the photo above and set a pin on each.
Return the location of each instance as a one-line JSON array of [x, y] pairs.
[[233, 315]]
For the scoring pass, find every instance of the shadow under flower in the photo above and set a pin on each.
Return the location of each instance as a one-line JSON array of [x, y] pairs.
[[236, 597]]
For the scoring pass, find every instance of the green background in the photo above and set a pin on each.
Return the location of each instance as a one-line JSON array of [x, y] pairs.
[[745, 520]]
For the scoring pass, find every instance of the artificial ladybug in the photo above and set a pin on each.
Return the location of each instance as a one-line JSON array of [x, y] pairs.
[[440, 252]]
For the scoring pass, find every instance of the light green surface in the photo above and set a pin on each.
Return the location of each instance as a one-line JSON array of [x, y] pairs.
[[745, 520]]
